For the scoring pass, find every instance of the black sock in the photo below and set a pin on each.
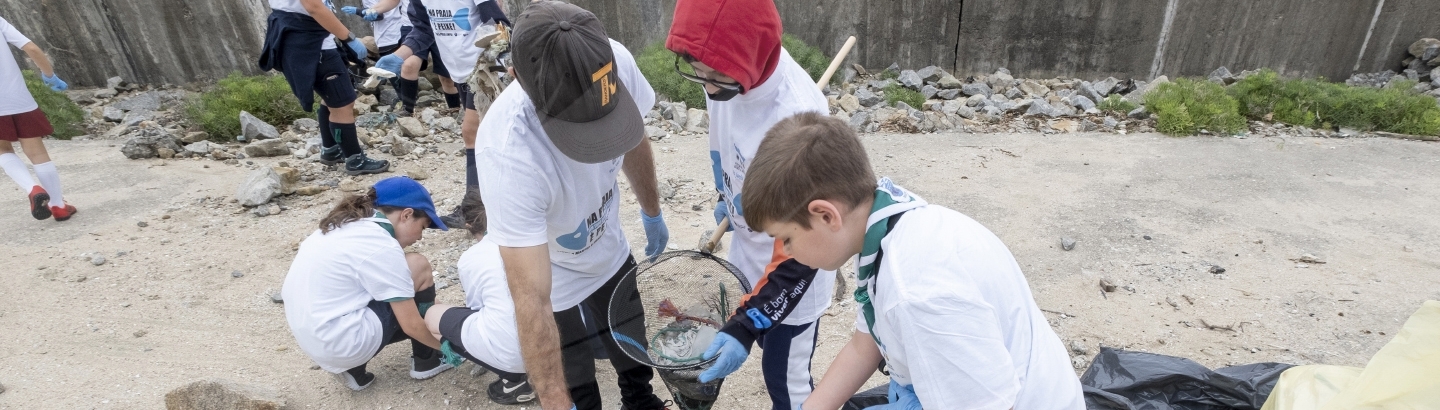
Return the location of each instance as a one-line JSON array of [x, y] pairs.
[[349, 142], [423, 300], [322, 116], [359, 374], [408, 90], [472, 176], [452, 100]]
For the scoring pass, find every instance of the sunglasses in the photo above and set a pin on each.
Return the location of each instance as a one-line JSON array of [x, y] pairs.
[[703, 80]]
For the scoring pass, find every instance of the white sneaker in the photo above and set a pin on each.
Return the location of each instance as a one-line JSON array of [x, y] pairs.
[[356, 385], [425, 369]]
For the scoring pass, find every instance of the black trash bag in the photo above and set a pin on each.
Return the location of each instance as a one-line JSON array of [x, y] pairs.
[[1125, 380], [873, 397]]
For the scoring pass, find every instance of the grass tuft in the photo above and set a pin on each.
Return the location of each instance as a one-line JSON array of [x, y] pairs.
[[66, 117], [1116, 104], [267, 97], [1186, 106], [1316, 103], [897, 92]]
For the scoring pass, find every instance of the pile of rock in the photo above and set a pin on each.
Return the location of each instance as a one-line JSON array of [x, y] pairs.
[[1422, 66]]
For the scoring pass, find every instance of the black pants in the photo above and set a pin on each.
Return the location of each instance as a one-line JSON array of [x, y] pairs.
[[579, 358], [392, 333]]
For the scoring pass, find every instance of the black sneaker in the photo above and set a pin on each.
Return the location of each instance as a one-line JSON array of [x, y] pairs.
[[359, 164], [357, 385], [422, 369], [331, 156], [507, 392], [455, 219]]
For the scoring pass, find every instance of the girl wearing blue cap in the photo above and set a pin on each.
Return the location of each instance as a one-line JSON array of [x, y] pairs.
[[352, 289]]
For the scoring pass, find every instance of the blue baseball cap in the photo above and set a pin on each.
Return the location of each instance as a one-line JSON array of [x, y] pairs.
[[406, 193]]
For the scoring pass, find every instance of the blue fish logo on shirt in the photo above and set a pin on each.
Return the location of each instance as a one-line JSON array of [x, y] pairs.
[[575, 240], [461, 18]]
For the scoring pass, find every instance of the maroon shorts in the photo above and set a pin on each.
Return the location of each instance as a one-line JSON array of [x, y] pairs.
[[31, 124]]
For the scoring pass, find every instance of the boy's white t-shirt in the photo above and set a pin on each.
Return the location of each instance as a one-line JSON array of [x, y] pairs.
[[535, 195], [294, 6], [736, 129], [387, 29], [12, 84], [456, 30], [330, 285], [489, 334], [957, 320]]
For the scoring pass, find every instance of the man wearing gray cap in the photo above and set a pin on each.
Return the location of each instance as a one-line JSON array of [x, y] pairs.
[[549, 153]]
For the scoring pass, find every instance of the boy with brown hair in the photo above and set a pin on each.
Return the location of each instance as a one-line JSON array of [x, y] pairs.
[[943, 304]]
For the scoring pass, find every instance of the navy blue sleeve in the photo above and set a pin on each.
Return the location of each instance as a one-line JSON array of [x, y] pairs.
[[421, 36], [489, 11], [771, 301]]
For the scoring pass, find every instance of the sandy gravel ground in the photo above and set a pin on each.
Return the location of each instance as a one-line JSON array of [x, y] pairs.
[[1150, 213]]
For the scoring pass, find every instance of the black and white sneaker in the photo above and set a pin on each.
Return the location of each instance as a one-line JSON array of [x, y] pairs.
[[359, 164], [357, 385], [507, 392], [422, 369], [455, 219], [331, 156]]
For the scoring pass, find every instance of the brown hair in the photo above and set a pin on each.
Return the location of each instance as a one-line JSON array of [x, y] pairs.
[[474, 210], [803, 158], [353, 208]]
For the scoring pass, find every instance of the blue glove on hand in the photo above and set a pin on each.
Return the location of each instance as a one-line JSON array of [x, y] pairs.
[[732, 355], [54, 82], [391, 63], [370, 15], [357, 46], [656, 234], [350, 10], [722, 211], [901, 398]]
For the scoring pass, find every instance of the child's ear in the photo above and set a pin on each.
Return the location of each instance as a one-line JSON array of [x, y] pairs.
[[826, 213]]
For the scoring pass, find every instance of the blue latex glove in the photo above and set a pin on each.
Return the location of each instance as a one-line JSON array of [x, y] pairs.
[[722, 210], [901, 398], [350, 10], [732, 355], [390, 63], [358, 47], [54, 82], [656, 234], [369, 15]]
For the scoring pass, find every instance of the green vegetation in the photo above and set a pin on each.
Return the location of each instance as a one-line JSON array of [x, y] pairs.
[[889, 74], [1116, 104], [66, 117], [897, 92], [1186, 106], [814, 61], [658, 66], [267, 97], [1318, 104]]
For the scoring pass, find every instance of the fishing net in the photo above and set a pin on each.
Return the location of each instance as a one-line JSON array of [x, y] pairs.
[[668, 315]]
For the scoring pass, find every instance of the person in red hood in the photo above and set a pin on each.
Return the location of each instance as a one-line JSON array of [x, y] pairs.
[[732, 49]]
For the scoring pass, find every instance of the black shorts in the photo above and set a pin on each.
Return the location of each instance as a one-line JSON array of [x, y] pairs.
[[434, 57], [332, 80], [452, 325], [389, 325], [467, 97]]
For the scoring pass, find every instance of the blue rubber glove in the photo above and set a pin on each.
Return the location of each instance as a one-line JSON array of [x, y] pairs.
[[656, 234], [390, 63], [54, 82], [350, 10], [357, 46], [732, 355], [901, 398], [722, 210]]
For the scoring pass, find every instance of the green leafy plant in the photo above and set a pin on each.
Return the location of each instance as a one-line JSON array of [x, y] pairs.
[[66, 117], [1116, 104], [658, 66], [809, 57], [267, 97], [897, 92], [1186, 106], [1318, 103]]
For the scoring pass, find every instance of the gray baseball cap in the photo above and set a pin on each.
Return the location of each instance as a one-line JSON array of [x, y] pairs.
[[564, 62]]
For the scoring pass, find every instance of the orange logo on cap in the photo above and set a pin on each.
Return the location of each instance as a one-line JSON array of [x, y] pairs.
[[607, 83]]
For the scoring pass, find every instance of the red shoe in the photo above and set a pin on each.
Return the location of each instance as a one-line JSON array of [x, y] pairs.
[[39, 203], [63, 213]]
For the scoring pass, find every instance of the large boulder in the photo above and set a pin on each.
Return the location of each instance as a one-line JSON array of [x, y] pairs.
[[976, 89], [149, 100], [948, 81], [266, 148], [931, 74], [697, 121], [849, 103], [256, 129], [113, 114], [1041, 107], [148, 142], [1425, 49], [222, 394], [910, 79], [868, 98], [259, 187]]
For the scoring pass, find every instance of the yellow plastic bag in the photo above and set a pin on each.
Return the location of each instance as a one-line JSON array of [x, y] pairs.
[[1405, 374]]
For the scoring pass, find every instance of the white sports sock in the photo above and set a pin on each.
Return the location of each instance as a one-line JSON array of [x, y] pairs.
[[50, 180], [17, 171]]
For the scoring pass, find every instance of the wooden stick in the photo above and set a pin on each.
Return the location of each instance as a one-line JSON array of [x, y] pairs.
[[715, 236], [835, 64]]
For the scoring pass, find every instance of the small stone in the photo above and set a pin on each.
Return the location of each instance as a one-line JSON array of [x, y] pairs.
[[929, 91], [140, 333], [1222, 75], [142, 224], [1147, 237], [259, 187], [276, 297], [1067, 243], [165, 153], [949, 82], [1173, 304], [976, 89], [1129, 288], [1079, 362], [868, 98], [1034, 88], [948, 94], [113, 114], [266, 148], [97, 260], [411, 127], [655, 133], [310, 190], [1081, 102], [1107, 285], [255, 129], [1110, 123], [305, 124], [418, 174], [1311, 259], [1425, 49], [1078, 348], [236, 274], [910, 79], [1138, 113], [1216, 269], [222, 394], [930, 74], [1040, 107], [697, 121]]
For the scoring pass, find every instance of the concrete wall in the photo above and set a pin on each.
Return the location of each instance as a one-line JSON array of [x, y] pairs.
[[180, 41]]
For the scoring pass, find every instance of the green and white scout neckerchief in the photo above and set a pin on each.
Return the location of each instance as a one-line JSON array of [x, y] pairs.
[[890, 200], [380, 219]]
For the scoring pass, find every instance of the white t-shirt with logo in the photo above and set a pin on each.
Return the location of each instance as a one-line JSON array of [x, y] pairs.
[[330, 285], [956, 319], [12, 84], [387, 29], [736, 129], [489, 334], [294, 6], [456, 30], [535, 195]]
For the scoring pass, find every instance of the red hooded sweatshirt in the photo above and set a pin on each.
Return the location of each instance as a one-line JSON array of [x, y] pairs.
[[738, 38]]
